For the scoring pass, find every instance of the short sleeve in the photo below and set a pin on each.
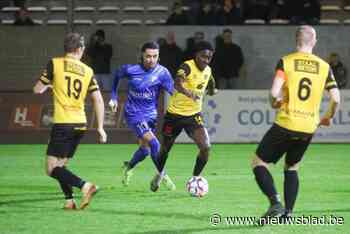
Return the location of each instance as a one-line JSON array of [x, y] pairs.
[[183, 71], [280, 70], [167, 81], [330, 81], [93, 86], [47, 75], [280, 65]]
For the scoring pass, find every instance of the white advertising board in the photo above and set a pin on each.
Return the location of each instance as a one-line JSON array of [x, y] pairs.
[[244, 116]]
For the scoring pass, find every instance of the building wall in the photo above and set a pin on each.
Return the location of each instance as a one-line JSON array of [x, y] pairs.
[[24, 51]]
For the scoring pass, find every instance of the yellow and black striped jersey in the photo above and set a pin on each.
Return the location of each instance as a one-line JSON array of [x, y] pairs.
[[306, 76], [71, 80], [195, 81]]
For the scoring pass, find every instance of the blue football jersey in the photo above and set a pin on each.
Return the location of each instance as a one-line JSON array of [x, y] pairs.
[[144, 87]]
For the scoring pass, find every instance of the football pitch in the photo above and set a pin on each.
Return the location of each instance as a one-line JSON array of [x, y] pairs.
[[31, 202]]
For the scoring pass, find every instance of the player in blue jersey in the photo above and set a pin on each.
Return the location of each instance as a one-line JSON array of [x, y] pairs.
[[145, 81]]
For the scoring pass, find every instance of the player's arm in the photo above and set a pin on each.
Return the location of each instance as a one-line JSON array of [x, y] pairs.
[[181, 77], [45, 80], [334, 93], [99, 108], [117, 75], [211, 87], [167, 82], [277, 86]]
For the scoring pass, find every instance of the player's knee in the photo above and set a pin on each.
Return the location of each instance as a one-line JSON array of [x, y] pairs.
[[205, 150], [48, 170], [144, 150], [291, 167], [256, 161], [154, 144]]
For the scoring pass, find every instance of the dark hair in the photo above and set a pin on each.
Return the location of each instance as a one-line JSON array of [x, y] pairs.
[[100, 33], [203, 45], [149, 45], [227, 30], [73, 41]]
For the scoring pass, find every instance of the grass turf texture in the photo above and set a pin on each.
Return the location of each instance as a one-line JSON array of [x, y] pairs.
[[31, 202]]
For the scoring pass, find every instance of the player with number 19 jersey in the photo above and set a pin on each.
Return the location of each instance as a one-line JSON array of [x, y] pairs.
[[306, 76], [71, 81]]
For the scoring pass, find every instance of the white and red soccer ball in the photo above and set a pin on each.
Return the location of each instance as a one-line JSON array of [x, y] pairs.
[[197, 186]]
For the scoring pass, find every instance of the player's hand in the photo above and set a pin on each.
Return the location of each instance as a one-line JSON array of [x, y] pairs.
[[276, 104], [325, 122], [45, 87], [193, 96], [113, 104], [212, 92], [102, 135]]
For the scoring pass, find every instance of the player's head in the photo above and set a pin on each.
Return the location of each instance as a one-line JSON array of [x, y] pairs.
[[74, 44], [227, 36], [100, 35], [203, 54], [305, 36], [150, 54]]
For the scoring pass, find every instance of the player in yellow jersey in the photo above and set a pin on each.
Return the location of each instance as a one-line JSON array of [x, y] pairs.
[[184, 110], [70, 80], [296, 93]]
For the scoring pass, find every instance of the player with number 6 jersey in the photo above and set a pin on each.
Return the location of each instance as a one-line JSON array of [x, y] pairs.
[[297, 89]]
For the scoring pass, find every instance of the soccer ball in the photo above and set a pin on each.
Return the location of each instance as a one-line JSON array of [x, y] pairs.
[[197, 186]]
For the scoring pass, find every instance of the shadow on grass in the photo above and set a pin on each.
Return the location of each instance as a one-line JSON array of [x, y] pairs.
[[192, 230], [16, 202], [323, 212]]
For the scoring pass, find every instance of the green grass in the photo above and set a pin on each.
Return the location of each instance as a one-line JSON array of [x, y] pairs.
[[31, 202]]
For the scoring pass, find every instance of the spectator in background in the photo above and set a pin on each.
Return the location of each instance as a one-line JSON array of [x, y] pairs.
[[258, 9], [304, 11], [339, 70], [227, 62], [171, 56], [19, 3], [98, 56], [194, 7], [279, 10], [22, 18], [191, 45], [4, 3], [179, 16], [206, 15], [229, 13]]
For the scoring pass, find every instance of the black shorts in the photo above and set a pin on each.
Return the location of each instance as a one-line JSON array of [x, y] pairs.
[[64, 139], [173, 124], [277, 141]]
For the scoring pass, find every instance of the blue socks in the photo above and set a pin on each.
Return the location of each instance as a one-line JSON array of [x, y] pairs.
[[139, 156], [155, 147]]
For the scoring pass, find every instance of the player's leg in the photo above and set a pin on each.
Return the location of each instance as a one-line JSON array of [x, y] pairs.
[[63, 144], [51, 163], [167, 144], [201, 138], [172, 127], [291, 179], [139, 155], [195, 129], [270, 150]]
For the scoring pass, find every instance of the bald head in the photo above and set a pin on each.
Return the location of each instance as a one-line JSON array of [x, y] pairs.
[[305, 36]]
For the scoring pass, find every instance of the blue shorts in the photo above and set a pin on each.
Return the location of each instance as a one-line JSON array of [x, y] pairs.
[[142, 126]]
